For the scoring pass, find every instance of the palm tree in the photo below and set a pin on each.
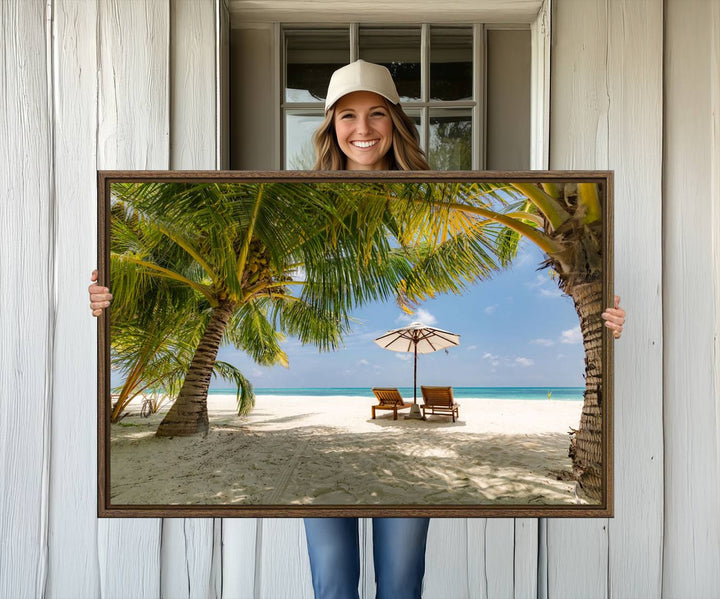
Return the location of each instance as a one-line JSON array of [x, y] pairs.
[[565, 221], [241, 248], [155, 324]]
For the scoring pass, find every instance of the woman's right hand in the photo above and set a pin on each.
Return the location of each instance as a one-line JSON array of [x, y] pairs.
[[99, 296]]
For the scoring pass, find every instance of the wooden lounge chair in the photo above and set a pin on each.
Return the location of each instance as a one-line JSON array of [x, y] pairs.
[[439, 400], [390, 399]]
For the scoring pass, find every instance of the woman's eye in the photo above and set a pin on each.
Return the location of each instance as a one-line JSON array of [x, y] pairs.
[[378, 113], [347, 115]]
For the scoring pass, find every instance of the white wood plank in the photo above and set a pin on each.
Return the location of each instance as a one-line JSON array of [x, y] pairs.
[[525, 577], [27, 316], [367, 563], [635, 89], [239, 555], [187, 558], [187, 555], [715, 194], [447, 559], [540, 32], [491, 557], [579, 100], [133, 126], [193, 85], [692, 399], [282, 569], [73, 562], [129, 558], [577, 559], [216, 567], [577, 552], [133, 131]]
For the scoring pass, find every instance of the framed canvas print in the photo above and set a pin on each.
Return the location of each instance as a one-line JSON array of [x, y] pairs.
[[355, 344]]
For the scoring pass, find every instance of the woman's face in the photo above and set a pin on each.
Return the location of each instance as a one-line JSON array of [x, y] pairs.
[[364, 130]]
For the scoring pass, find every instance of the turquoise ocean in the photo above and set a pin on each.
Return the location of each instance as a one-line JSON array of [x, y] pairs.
[[525, 393]]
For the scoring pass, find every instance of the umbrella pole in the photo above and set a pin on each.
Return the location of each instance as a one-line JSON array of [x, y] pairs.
[[414, 409], [415, 378]]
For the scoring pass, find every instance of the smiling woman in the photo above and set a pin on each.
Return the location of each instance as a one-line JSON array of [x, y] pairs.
[[365, 128]]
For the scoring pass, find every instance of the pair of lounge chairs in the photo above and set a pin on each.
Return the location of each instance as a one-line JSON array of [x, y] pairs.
[[437, 400]]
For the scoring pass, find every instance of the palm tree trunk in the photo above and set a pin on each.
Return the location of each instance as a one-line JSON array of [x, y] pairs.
[[587, 443], [188, 415]]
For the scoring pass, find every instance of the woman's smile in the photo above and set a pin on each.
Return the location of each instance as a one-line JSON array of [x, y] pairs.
[[364, 144]]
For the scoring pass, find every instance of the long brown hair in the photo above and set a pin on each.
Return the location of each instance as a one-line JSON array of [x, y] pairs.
[[405, 154]]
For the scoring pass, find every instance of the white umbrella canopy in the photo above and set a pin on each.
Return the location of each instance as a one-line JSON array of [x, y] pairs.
[[425, 338], [417, 338]]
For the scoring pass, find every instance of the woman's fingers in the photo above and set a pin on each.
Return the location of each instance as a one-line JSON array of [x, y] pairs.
[[615, 318], [100, 296]]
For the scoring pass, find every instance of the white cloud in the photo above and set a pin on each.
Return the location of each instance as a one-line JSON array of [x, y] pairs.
[[571, 336], [489, 356], [522, 258], [524, 361], [546, 286], [404, 356], [560, 356], [539, 280], [420, 315], [491, 309], [543, 342], [363, 363], [471, 347], [551, 292]]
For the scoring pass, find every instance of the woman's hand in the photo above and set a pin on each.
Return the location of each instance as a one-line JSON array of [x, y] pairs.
[[99, 296], [615, 318]]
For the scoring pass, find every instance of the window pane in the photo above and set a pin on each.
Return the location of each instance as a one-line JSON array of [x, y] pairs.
[[415, 117], [299, 149], [450, 145], [399, 50], [451, 56], [311, 58]]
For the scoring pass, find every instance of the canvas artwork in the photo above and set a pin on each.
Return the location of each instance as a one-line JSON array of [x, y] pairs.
[[355, 344]]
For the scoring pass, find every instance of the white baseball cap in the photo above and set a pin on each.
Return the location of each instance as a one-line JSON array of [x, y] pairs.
[[361, 76]]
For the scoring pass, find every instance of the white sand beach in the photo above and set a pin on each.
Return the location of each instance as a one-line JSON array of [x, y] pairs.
[[328, 451]]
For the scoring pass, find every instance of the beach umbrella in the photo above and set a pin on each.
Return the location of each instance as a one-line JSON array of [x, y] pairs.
[[417, 338]]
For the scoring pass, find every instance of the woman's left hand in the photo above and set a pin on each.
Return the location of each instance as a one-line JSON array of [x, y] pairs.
[[615, 318]]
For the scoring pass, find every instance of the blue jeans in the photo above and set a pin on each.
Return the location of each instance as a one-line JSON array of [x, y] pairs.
[[398, 552]]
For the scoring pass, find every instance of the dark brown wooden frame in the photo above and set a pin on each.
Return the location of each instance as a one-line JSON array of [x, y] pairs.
[[604, 509]]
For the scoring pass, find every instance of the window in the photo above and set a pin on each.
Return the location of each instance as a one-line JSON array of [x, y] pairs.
[[436, 70], [466, 86]]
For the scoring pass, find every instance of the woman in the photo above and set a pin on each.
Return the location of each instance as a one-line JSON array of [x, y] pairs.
[[365, 129]]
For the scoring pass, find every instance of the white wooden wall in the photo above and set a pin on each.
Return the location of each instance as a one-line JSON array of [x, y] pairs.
[[133, 84]]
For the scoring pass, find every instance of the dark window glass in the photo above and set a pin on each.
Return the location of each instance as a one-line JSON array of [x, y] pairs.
[[311, 57], [399, 50], [451, 62]]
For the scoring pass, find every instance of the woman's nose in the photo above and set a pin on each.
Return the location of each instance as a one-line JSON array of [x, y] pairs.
[[363, 125]]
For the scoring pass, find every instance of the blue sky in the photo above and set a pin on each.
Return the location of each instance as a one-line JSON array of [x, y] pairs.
[[516, 329]]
